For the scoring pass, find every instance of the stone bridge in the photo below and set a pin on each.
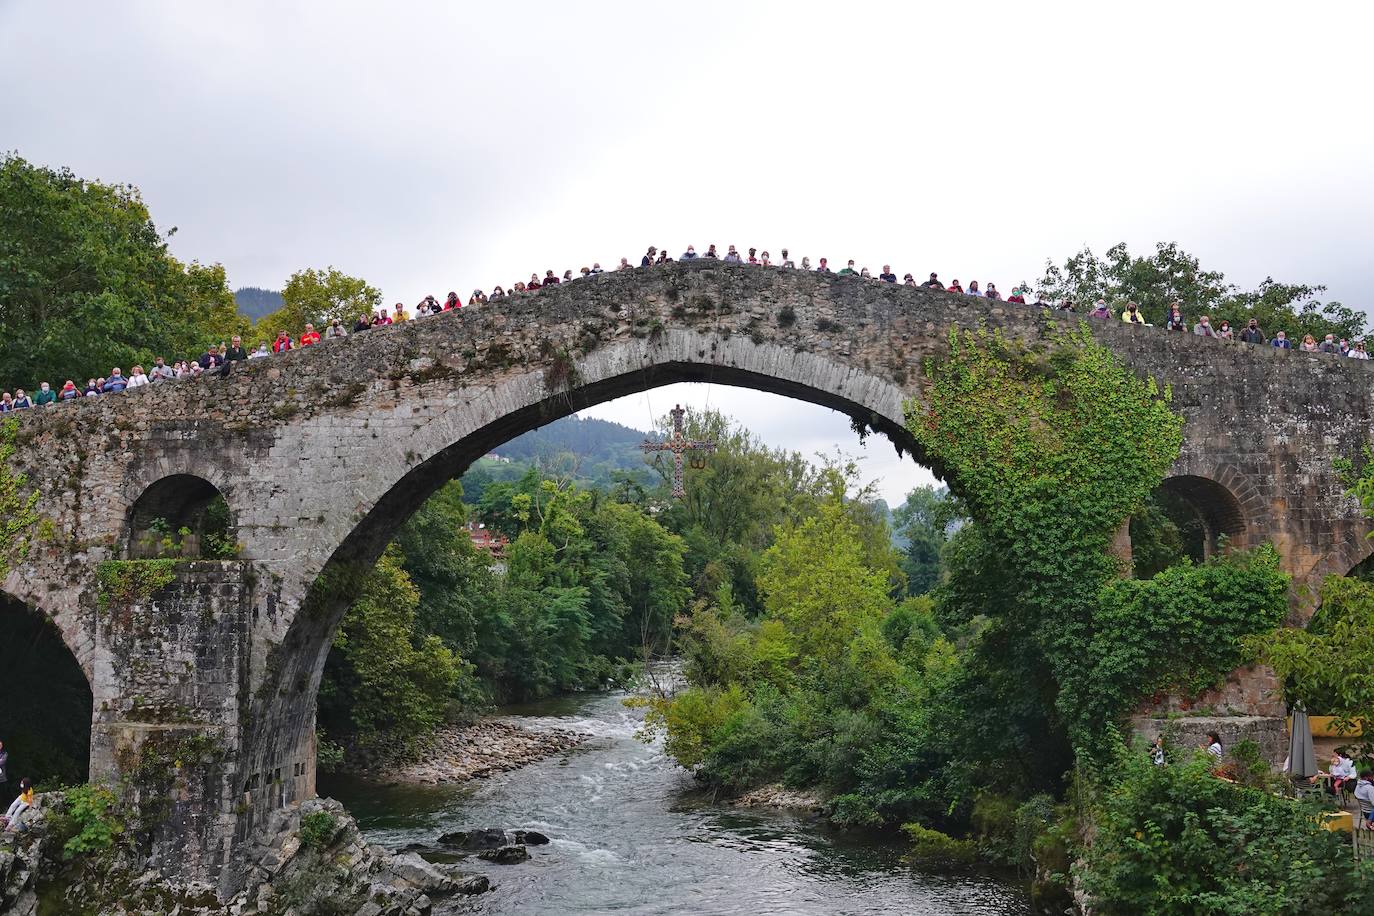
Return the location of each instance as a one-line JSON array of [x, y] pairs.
[[204, 674]]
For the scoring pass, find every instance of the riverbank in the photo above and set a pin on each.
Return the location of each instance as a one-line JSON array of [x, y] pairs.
[[458, 753]]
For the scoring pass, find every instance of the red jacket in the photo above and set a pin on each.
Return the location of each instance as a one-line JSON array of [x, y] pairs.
[[281, 344], [309, 337]]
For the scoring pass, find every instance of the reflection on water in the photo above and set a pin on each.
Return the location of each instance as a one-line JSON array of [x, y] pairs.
[[629, 835]]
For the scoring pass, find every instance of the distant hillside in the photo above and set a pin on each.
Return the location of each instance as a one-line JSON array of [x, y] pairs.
[[591, 451], [254, 302]]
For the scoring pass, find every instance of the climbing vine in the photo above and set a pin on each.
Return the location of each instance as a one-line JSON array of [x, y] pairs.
[[1051, 447], [16, 507]]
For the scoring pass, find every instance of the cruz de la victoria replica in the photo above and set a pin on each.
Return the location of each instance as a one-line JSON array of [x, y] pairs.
[[204, 673]]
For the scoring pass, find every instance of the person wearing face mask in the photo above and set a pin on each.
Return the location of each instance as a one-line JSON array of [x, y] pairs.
[[1132, 315], [45, 395], [1100, 310], [1252, 333], [690, 254]]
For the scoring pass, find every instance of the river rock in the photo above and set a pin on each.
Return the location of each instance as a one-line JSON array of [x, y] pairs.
[[456, 753], [475, 840], [506, 855], [529, 838], [477, 884], [776, 796]]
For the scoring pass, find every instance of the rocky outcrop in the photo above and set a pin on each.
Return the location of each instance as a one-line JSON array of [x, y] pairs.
[[313, 861], [457, 753], [776, 796]]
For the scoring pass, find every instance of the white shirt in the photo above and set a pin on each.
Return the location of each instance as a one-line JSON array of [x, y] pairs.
[[137, 381], [1214, 749], [1343, 768]]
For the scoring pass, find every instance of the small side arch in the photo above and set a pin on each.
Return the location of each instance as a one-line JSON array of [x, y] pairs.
[[45, 719], [181, 515], [1218, 510]]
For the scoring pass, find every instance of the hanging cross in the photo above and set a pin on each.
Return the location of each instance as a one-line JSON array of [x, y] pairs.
[[678, 443]]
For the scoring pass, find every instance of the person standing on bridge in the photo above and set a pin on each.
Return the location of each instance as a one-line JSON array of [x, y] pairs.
[[1358, 351], [550, 279], [711, 253], [1328, 345], [648, 259], [1018, 296], [1132, 315], [1204, 328], [1175, 321], [310, 337], [823, 268], [992, 292], [731, 256], [364, 323], [752, 259], [787, 260], [282, 343], [848, 270], [44, 397], [1309, 344], [973, 289], [887, 276], [1252, 333], [1281, 341], [1224, 331], [335, 331], [955, 287], [908, 280], [236, 353], [689, 255]]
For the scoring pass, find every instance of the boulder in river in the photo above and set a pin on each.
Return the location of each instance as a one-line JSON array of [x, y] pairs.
[[529, 837], [474, 840], [506, 855]]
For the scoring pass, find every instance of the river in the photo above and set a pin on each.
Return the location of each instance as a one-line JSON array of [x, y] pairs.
[[629, 835]]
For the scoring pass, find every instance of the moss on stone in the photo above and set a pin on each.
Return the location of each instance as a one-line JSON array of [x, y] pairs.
[[124, 583]]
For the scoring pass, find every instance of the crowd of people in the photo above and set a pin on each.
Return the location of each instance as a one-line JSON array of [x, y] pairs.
[[222, 357]]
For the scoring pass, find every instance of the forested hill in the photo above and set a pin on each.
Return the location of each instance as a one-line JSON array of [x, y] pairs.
[[593, 452], [592, 440], [254, 302]]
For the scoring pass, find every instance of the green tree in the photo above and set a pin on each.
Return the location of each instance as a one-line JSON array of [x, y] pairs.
[[384, 683], [1326, 667], [815, 581], [923, 522], [318, 297], [87, 282]]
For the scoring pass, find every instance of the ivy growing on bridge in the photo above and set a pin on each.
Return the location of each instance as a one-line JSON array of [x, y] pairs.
[[16, 507], [1051, 448]]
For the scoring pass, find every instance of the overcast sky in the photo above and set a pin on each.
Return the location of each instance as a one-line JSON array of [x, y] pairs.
[[446, 145]]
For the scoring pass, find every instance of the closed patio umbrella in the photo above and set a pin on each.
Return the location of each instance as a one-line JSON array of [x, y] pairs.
[[1302, 759]]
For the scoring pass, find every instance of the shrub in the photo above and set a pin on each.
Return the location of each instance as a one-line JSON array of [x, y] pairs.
[[934, 849], [1175, 839], [318, 829], [91, 809]]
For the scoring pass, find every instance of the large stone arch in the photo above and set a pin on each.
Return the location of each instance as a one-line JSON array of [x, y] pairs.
[[444, 447]]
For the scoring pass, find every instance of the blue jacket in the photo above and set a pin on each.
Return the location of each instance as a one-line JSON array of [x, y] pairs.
[[116, 384]]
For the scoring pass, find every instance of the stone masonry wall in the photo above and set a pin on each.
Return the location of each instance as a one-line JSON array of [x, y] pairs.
[[321, 453]]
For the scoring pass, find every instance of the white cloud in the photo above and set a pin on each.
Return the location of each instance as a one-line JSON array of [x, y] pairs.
[[437, 146]]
